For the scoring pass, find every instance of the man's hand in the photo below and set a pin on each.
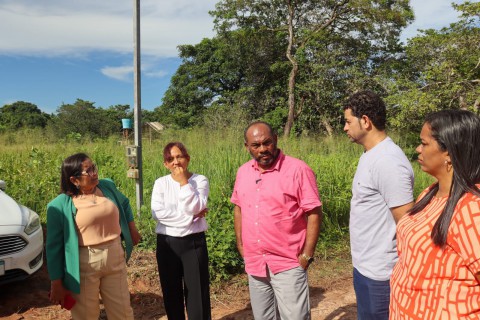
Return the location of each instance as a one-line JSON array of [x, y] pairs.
[[314, 220], [303, 262], [238, 228]]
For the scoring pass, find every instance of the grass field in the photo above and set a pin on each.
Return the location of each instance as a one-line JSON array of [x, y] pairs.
[[30, 165]]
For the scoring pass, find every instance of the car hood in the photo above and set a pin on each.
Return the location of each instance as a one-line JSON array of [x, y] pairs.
[[10, 211]]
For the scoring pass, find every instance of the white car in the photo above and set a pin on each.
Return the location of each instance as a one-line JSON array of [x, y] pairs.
[[21, 240]]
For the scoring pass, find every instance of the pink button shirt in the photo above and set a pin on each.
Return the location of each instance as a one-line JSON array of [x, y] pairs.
[[273, 205]]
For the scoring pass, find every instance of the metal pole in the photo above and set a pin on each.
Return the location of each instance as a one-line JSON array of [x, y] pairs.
[[137, 110]]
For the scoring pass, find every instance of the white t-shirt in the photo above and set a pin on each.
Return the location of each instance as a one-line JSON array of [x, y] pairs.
[[173, 207], [383, 180]]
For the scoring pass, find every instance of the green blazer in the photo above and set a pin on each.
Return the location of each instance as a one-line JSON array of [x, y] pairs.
[[62, 239]]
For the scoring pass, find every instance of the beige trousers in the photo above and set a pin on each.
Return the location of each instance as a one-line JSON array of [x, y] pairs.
[[103, 271]]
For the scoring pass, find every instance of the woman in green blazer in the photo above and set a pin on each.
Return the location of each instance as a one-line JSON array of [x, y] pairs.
[[86, 226]]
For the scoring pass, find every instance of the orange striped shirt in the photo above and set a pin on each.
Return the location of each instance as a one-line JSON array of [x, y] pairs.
[[433, 283]]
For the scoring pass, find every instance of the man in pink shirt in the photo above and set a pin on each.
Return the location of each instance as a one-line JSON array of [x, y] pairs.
[[277, 222]]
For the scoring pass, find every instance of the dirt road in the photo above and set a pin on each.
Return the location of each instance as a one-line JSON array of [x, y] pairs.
[[331, 294]]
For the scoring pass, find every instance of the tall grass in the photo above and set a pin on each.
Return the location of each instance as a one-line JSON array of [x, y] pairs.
[[30, 165]]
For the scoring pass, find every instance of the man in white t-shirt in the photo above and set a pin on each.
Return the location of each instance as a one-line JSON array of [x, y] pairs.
[[382, 192]]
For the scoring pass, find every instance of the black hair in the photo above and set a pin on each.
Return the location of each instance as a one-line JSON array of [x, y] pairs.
[[272, 132], [458, 133], [368, 103], [71, 167]]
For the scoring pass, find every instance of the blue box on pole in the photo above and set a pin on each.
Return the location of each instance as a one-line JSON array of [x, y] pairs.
[[126, 123]]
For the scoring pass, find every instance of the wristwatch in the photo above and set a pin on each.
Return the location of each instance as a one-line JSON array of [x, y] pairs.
[[307, 258]]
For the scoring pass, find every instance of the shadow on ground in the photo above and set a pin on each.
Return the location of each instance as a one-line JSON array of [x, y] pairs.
[[20, 296]]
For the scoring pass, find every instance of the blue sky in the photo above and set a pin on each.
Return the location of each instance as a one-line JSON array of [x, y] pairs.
[[55, 51]]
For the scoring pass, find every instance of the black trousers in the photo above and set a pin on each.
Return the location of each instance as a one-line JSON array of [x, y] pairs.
[[184, 277]]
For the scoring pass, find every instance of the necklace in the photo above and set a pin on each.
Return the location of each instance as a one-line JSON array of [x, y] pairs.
[[90, 197]]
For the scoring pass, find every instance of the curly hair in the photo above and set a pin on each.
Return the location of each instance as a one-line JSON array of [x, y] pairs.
[[368, 103]]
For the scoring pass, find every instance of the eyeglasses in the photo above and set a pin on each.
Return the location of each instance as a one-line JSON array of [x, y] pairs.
[[93, 170]]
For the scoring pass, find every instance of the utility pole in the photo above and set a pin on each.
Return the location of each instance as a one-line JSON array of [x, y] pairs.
[[137, 109]]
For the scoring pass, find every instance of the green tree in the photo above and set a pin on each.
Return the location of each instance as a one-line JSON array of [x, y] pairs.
[[83, 119], [149, 116], [231, 70], [372, 25], [22, 114], [78, 118], [113, 116], [191, 89], [442, 71]]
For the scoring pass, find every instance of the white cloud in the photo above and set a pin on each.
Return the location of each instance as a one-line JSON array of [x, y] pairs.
[[125, 73], [77, 28], [59, 27], [122, 73], [66, 28]]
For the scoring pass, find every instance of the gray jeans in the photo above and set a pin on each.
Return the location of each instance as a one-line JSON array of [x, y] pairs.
[[284, 295]]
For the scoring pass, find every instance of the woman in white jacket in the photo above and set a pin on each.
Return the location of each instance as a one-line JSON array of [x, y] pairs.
[[179, 205]]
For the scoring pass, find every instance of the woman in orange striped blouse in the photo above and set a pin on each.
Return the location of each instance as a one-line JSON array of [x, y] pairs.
[[437, 275]]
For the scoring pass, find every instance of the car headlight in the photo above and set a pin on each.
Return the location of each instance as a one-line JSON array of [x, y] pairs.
[[33, 221]]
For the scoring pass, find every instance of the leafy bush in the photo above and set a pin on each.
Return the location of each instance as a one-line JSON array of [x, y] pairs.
[[31, 169]]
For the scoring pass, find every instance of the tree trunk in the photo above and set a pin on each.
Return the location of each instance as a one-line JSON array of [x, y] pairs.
[[293, 72], [476, 105], [327, 127], [291, 100]]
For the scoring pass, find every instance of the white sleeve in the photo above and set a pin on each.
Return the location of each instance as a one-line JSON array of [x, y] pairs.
[[193, 196], [394, 181], [173, 208], [159, 210]]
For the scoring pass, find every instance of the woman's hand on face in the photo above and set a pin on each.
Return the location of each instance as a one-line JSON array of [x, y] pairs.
[[57, 292], [180, 175]]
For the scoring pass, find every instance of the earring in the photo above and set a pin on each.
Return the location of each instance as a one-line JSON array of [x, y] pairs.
[[448, 165], [78, 186]]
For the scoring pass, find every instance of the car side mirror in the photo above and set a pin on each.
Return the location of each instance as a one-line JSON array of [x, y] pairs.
[[2, 185]]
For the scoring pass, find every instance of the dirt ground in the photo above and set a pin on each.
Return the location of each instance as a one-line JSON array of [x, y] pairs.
[[331, 294]]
